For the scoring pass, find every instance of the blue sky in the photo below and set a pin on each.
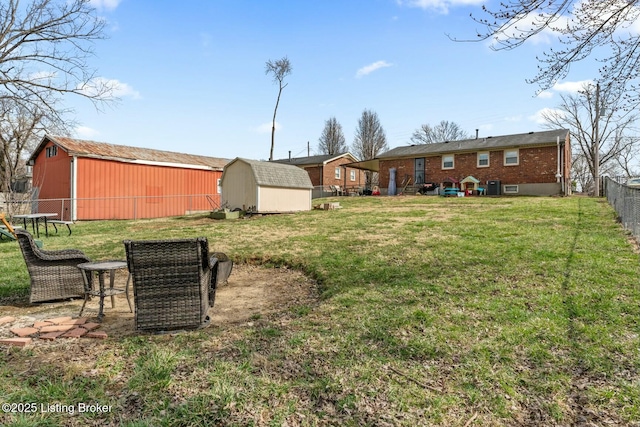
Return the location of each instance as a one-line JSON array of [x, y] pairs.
[[191, 73]]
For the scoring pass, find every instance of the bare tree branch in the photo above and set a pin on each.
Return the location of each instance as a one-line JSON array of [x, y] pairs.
[[370, 139], [443, 131], [578, 114], [21, 129], [332, 139], [44, 52], [280, 69], [582, 27]]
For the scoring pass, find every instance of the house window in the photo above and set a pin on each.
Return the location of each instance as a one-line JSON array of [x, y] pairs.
[[511, 189], [337, 173], [511, 157], [219, 186], [483, 159], [353, 175], [52, 151], [447, 162]]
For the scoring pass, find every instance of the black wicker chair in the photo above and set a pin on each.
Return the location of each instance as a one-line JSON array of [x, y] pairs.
[[54, 274], [172, 284]]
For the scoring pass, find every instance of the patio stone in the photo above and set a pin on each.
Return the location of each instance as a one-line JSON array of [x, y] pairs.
[[97, 334], [24, 332], [50, 336], [74, 333], [18, 342], [6, 319], [56, 328]]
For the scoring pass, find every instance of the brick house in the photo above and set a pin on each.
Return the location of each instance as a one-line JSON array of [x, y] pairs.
[[326, 170], [534, 163]]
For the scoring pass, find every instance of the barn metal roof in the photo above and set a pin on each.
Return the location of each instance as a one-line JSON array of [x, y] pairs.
[[270, 174], [123, 153], [479, 144]]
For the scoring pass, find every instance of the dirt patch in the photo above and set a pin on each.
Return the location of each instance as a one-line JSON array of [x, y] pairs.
[[252, 292]]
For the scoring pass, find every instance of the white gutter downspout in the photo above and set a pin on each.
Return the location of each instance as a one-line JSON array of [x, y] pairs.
[[74, 188], [558, 168], [559, 176]]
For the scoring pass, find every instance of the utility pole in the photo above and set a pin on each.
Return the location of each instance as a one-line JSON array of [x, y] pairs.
[[596, 147]]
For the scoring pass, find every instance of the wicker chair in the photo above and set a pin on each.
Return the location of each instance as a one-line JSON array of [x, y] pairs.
[[54, 274], [171, 283]]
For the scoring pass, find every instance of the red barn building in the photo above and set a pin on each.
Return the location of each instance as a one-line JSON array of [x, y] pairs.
[[86, 180]]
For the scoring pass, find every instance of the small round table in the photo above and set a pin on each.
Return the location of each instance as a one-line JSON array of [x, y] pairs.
[[101, 267]]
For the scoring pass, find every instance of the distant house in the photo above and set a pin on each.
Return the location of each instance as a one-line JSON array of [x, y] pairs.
[[534, 163], [265, 187], [326, 170], [86, 180]]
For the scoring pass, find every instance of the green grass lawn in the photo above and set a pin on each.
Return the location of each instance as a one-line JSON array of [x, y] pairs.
[[432, 311]]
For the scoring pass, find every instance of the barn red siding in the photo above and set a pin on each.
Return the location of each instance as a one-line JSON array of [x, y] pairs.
[[52, 178], [109, 189]]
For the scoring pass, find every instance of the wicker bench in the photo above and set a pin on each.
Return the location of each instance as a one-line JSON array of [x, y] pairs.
[[54, 274]]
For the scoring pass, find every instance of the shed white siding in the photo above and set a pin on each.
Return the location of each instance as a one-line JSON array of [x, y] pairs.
[[284, 199], [239, 189], [265, 187]]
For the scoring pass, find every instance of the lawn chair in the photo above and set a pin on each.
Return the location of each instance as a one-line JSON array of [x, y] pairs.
[[54, 274], [172, 283], [336, 190]]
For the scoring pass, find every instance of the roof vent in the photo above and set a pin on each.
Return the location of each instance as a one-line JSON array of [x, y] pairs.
[[530, 133]]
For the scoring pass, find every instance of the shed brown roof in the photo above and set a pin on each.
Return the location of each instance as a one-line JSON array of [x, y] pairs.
[[85, 148]]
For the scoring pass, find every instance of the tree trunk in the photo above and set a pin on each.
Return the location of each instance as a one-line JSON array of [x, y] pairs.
[[273, 124]]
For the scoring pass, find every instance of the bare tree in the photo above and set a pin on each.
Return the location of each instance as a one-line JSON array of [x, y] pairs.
[[594, 129], [370, 139], [443, 131], [332, 140], [21, 129], [627, 159], [583, 27], [580, 173], [44, 47], [280, 69]]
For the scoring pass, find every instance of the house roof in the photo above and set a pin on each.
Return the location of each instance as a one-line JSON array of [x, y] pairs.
[[479, 144], [123, 153], [271, 174], [321, 159], [471, 179]]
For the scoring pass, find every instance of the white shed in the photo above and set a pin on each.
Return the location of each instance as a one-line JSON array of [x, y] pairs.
[[265, 187]]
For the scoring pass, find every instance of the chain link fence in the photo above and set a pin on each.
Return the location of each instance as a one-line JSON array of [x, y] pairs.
[[625, 201], [134, 207]]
